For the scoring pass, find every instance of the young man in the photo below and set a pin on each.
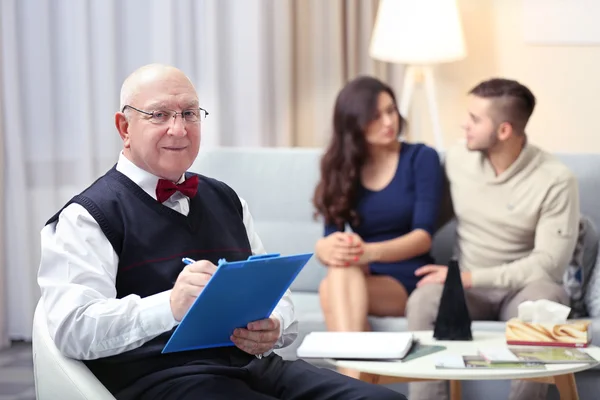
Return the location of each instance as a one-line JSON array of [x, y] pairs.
[[113, 283], [517, 212]]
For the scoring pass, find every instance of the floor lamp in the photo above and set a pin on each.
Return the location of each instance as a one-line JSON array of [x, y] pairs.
[[419, 34]]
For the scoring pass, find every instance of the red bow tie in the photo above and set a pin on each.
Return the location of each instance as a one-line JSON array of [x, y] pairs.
[[165, 188]]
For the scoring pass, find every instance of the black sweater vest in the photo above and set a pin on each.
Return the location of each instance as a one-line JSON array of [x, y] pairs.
[[150, 240]]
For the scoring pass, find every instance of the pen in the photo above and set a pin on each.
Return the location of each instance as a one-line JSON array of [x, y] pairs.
[[187, 261]]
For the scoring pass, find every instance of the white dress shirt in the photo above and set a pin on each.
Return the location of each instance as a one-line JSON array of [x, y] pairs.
[[77, 276]]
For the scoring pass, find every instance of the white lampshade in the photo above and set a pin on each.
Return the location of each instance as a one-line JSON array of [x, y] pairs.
[[417, 32]]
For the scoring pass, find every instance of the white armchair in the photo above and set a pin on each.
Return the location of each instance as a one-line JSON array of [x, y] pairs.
[[57, 376]]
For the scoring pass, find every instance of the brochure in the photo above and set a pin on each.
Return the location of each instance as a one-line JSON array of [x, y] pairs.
[[544, 355], [477, 362]]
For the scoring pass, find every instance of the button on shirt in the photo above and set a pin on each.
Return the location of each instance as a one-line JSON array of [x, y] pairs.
[[77, 278]]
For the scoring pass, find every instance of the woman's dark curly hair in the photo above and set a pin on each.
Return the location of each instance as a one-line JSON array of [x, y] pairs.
[[355, 107]]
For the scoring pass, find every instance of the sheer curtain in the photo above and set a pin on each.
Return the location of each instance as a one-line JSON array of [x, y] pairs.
[[267, 71], [3, 297], [330, 42]]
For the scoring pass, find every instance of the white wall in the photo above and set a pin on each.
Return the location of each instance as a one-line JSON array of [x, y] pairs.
[[563, 78]]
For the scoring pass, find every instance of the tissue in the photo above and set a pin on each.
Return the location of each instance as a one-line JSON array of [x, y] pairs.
[[544, 322], [543, 312]]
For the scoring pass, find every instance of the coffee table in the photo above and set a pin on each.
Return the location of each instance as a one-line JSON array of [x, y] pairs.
[[423, 368]]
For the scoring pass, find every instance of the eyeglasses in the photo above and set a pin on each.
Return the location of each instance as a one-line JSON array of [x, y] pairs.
[[159, 117]]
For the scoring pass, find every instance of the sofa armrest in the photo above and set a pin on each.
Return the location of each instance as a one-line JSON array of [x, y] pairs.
[[57, 376], [595, 331]]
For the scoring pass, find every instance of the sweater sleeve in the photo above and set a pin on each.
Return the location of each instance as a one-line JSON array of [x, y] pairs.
[[555, 240], [429, 180]]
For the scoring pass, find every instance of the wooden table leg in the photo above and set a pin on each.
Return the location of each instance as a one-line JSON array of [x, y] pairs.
[[566, 387], [455, 387], [369, 378], [564, 383], [455, 390]]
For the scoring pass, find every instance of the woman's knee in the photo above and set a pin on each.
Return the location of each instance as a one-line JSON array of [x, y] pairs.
[[345, 272]]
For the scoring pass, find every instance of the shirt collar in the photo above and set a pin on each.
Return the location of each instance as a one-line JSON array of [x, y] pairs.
[[140, 177], [527, 154]]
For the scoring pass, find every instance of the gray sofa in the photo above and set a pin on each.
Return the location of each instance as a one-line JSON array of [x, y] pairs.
[[278, 184]]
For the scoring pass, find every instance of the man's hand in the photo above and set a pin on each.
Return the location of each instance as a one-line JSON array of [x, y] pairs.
[[438, 273], [190, 282], [432, 274], [259, 338]]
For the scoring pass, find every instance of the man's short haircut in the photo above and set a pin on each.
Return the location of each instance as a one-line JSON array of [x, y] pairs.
[[511, 101]]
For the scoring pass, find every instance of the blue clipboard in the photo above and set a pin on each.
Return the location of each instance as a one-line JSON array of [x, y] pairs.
[[238, 293]]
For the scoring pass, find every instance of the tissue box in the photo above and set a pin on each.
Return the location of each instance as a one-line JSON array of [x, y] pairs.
[[568, 334]]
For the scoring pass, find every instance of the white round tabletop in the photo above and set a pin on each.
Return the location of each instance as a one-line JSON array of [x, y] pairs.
[[424, 367]]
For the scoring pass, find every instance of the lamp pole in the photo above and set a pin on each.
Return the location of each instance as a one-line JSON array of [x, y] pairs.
[[413, 76]]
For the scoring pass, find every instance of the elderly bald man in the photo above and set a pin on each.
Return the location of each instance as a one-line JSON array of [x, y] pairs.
[[113, 283]]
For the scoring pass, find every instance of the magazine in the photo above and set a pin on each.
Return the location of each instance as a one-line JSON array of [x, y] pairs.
[[552, 355], [477, 362], [417, 350], [543, 355], [420, 350], [367, 346]]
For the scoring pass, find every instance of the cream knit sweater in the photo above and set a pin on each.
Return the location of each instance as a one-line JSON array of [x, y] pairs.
[[517, 227]]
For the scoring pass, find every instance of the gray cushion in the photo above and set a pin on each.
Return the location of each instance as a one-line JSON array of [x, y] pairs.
[[581, 268], [278, 186], [592, 295], [586, 167], [294, 237]]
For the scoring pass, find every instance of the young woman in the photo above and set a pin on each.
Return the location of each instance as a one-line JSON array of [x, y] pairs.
[[388, 192]]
